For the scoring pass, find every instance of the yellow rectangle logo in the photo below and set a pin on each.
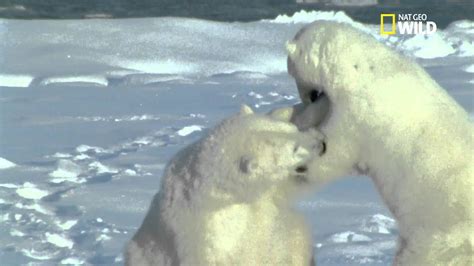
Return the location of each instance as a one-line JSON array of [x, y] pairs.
[[382, 29]]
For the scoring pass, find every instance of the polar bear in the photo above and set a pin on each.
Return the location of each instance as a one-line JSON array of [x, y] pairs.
[[226, 199], [388, 119]]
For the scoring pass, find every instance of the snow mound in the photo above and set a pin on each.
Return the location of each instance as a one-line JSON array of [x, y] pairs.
[[457, 39], [127, 118], [146, 78], [35, 207], [469, 69], [99, 168], [5, 164], [461, 34], [81, 157], [61, 155], [89, 80], [37, 255], [168, 66], [466, 49], [90, 149], [29, 191], [7, 185], [66, 225], [66, 171], [304, 16], [72, 261], [379, 223], [428, 46], [21, 81], [59, 240], [188, 130]]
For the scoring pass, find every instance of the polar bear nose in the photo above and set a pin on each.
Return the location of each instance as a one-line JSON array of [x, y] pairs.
[[301, 169]]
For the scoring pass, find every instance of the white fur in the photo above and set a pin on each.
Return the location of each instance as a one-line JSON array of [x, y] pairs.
[[225, 200], [390, 120]]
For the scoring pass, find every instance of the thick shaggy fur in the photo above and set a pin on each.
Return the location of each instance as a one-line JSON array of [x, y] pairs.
[[226, 199], [390, 120]]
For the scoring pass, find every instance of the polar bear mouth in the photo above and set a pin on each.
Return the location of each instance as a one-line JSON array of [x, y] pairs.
[[301, 179], [300, 174], [316, 95], [314, 110]]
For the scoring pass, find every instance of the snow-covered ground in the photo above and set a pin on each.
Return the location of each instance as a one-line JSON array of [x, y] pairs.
[[91, 111]]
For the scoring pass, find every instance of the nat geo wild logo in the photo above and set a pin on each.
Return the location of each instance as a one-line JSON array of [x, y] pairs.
[[406, 24]]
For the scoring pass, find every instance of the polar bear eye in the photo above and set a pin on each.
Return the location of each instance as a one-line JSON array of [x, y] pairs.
[[314, 95]]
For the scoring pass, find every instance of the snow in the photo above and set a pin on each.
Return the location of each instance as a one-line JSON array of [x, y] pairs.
[[379, 223], [5, 164], [4, 217], [457, 38], [466, 49], [92, 111], [130, 172], [86, 148], [15, 232], [101, 169], [29, 191], [81, 157], [103, 237], [17, 217], [36, 254], [348, 236], [61, 155], [304, 16], [66, 171], [9, 186], [93, 80], [36, 207], [469, 69], [66, 225], [188, 130], [428, 46], [59, 240], [72, 261], [21, 81]]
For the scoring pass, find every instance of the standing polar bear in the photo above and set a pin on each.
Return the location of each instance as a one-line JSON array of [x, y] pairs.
[[226, 199], [389, 120]]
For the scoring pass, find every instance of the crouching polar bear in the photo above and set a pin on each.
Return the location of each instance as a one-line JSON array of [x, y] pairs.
[[389, 120], [226, 199]]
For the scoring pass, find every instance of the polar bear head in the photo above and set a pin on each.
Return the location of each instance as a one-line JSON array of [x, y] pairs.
[[337, 60], [244, 156], [370, 89], [339, 75], [252, 153], [347, 65]]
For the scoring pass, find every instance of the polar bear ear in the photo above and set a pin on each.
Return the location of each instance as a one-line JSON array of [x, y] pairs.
[[245, 110], [247, 164], [290, 48]]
